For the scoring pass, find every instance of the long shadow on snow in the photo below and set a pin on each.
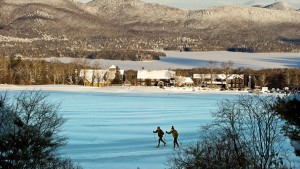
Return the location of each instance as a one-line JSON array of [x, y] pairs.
[[289, 62]]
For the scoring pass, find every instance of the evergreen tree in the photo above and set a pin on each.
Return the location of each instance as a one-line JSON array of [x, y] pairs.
[[118, 77]]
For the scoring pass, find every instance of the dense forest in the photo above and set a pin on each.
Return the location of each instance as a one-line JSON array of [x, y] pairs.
[[18, 71]]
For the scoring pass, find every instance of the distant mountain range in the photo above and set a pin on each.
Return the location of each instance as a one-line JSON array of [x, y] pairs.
[[46, 28]]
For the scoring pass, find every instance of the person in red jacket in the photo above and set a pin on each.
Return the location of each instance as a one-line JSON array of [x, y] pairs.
[[175, 136], [160, 134]]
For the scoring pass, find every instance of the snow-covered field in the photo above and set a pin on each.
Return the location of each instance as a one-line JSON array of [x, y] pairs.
[[188, 60], [111, 127]]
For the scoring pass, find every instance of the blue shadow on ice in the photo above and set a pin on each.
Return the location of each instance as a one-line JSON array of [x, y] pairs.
[[185, 61], [287, 61], [195, 63]]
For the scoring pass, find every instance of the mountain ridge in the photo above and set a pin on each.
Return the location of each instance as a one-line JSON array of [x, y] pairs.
[[41, 28], [280, 6]]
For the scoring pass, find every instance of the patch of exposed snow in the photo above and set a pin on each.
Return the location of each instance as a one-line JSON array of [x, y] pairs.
[[29, 40]]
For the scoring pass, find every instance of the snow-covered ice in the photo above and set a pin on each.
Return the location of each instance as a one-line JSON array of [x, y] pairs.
[[111, 128], [189, 60]]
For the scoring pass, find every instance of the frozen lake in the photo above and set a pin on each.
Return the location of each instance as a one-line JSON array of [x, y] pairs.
[[114, 131], [189, 60]]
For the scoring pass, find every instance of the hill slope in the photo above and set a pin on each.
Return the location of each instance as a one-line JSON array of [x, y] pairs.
[[280, 6], [44, 28]]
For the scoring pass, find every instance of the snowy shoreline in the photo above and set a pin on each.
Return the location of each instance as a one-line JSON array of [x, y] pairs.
[[115, 89]]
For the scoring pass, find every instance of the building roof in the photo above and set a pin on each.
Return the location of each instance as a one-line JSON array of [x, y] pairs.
[[112, 67], [155, 74], [234, 76], [188, 80], [218, 76]]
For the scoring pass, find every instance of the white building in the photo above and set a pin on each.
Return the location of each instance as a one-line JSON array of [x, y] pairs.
[[184, 81], [156, 77], [99, 77], [220, 80]]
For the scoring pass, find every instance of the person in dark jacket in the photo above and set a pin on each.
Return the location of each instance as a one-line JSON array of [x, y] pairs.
[[175, 136], [160, 134]]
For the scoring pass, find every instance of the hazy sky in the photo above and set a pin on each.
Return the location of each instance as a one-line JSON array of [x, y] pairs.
[[200, 4]]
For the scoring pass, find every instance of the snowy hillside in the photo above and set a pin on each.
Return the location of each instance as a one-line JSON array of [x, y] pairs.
[[128, 11], [60, 3], [78, 29], [139, 11], [238, 13], [281, 6]]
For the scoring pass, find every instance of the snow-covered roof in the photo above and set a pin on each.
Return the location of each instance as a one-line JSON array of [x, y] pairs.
[[217, 83], [188, 80], [112, 67], [218, 76], [201, 76], [234, 76], [184, 80], [155, 74]]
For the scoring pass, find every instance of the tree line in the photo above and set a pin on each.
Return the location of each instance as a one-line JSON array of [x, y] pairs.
[[18, 71]]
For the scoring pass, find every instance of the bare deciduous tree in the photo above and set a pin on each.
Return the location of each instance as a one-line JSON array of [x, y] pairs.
[[288, 77], [263, 80], [227, 68], [3, 69], [246, 133], [212, 66], [29, 132]]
